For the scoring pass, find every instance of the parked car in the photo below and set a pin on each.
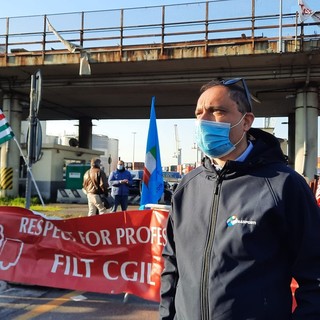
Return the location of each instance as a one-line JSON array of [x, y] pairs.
[[136, 188], [136, 174]]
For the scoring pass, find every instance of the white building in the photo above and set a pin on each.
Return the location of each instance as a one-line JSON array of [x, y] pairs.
[[59, 152]]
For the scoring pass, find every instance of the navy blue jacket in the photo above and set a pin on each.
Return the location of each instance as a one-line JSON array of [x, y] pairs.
[[117, 188], [235, 239]]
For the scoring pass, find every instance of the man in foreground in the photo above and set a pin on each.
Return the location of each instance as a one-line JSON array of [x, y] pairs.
[[242, 225]]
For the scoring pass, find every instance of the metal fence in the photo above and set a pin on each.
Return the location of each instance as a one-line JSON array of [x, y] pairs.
[[157, 26]]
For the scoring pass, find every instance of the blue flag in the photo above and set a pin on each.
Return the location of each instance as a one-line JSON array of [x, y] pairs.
[[152, 180]]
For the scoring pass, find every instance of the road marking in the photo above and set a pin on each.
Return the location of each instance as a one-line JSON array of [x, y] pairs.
[[47, 307]]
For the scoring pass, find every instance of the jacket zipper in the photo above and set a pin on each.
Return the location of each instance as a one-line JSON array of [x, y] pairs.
[[204, 285]]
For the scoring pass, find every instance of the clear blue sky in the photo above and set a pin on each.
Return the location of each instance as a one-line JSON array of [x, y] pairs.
[[123, 130], [35, 7]]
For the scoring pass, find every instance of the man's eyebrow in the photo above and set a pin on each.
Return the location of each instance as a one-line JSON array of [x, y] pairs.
[[223, 108]]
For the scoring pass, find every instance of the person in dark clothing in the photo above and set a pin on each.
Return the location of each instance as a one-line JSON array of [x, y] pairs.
[[120, 180], [95, 183], [167, 193], [242, 225]]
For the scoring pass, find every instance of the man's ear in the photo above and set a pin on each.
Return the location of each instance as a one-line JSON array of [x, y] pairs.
[[248, 120]]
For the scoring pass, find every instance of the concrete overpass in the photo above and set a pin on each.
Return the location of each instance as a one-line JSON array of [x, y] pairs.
[[131, 62]]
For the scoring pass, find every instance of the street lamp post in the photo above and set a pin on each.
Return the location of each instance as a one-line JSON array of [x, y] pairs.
[[133, 148]]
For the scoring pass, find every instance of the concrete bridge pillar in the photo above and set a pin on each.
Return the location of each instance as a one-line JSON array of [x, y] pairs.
[[10, 154], [85, 133], [291, 138], [306, 134]]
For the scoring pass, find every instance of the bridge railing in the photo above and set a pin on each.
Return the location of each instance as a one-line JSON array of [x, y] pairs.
[[201, 23]]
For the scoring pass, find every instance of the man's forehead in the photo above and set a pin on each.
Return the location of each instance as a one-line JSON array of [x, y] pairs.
[[216, 92]]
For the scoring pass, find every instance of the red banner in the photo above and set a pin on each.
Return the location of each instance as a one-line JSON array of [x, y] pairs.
[[111, 253]]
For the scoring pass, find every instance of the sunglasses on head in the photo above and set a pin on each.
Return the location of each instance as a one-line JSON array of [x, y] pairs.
[[231, 82]]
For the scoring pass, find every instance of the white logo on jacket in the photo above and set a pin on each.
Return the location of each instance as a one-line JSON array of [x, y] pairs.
[[233, 220]]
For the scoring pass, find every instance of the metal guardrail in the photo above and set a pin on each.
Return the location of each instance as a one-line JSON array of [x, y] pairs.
[[201, 23]]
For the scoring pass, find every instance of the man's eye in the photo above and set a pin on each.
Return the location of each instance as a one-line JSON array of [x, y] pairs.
[[198, 112], [217, 112]]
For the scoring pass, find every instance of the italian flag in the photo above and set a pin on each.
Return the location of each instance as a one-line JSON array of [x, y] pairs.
[[6, 132], [152, 180]]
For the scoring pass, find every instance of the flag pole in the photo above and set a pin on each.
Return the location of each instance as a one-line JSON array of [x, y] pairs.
[[29, 170]]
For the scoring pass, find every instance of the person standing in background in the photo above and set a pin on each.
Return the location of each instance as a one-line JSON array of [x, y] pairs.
[[95, 183], [120, 180]]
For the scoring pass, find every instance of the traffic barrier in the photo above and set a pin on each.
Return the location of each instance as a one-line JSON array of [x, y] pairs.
[[135, 200], [71, 196]]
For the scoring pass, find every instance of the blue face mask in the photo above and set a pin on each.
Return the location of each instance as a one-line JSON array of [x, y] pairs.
[[120, 167], [213, 137]]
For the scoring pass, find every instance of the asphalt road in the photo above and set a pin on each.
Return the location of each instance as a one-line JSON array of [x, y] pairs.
[[21, 302]]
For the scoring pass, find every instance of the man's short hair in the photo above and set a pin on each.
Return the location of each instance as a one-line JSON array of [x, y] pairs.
[[237, 93], [95, 162]]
